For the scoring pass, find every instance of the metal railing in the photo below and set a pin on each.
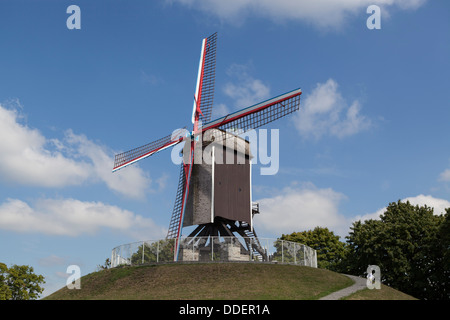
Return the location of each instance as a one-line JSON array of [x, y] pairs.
[[210, 249]]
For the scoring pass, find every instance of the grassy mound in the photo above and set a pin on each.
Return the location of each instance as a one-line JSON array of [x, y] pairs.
[[220, 281]]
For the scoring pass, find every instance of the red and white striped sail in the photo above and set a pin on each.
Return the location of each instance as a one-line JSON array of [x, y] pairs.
[[259, 114], [204, 90], [124, 159], [202, 108]]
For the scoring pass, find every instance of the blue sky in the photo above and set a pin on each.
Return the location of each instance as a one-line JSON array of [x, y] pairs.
[[372, 129]]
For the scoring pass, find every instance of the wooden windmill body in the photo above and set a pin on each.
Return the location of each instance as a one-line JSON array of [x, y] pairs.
[[220, 199]]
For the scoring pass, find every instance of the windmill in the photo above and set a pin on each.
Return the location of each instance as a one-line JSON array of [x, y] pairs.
[[236, 217]]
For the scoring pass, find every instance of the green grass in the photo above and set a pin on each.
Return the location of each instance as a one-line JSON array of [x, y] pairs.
[[209, 281], [385, 293]]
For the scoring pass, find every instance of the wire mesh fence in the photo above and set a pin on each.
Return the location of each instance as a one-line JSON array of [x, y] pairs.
[[218, 249]]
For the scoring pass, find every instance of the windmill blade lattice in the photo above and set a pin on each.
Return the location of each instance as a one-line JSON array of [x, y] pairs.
[[126, 158], [259, 114], [208, 80], [178, 206]]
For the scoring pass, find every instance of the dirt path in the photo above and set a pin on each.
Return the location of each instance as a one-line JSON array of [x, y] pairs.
[[360, 283]]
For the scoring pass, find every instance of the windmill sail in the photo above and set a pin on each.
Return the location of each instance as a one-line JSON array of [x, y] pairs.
[[129, 157], [178, 206], [204, 91], [259, 114], [187, 171], [202, 110]]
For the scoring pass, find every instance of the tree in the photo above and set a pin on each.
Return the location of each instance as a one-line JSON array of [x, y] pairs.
[[106, 266], [5, 292], [19, 283], [158, 251], [330, 251], [444, 234], [407, 245]]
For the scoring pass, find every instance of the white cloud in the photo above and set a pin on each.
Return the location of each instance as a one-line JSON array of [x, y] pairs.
[[220, 110], [52, 260], [245, 90], [438, 205], [25, 156], [299, 209], [149, 78], [29, 158], [325, 112], [445, 175], [295, 209], [70, 217], [320, 13], [133, 182]]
